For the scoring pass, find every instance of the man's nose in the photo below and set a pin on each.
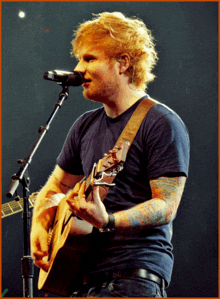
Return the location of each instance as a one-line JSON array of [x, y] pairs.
[[80, 67]]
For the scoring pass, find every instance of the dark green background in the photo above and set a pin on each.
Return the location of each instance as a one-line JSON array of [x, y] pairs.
[[187, 40]]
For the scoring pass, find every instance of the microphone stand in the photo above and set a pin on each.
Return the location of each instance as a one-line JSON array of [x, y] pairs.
[[22, 177]]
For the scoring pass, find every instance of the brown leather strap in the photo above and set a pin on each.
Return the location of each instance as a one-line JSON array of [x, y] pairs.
[[129, 133], [134, 123]]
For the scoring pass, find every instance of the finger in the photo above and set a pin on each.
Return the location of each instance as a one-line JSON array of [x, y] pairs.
[[38, 254], [43, 264], [75, 191], [72, 204], [73, 207], [38, 259], [96, 196], [77, 187], [82, 190], [44, 246], [34, 248]]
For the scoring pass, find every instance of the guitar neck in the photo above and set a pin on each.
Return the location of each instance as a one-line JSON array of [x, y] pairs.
[[88, 181], [13, 207]]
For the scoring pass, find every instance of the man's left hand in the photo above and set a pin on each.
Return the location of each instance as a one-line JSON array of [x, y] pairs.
[[92, 211]]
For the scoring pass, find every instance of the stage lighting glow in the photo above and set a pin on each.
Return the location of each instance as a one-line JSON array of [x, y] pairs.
[[21, 14]]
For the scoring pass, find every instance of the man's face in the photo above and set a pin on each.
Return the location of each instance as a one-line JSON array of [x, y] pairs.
[[100, 74]]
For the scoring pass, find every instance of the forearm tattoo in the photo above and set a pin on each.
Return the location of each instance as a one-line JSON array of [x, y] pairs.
[[161, 209]]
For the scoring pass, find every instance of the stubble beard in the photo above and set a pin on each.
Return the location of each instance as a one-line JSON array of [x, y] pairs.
[[106, 93]]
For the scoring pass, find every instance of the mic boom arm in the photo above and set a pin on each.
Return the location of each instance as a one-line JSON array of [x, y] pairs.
[[27, 161]]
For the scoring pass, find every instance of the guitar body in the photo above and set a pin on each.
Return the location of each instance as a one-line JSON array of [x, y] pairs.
[[68, 248]]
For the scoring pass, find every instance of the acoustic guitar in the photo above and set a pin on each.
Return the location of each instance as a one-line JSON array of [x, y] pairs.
[[70, 237]]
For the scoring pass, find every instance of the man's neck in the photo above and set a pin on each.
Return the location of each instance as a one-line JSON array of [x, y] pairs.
[[123, 101]]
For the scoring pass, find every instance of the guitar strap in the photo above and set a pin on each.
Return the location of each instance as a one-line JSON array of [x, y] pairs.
[[129, 133], [134, 123]]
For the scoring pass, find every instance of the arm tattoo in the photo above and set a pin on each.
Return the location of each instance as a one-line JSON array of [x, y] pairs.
[[161, 209], [170, 190], [61, 182]]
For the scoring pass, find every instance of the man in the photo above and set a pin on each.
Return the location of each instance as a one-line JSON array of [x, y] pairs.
[[116, 55]]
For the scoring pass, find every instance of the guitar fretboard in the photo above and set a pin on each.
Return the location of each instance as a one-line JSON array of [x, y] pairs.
[[13, 207]]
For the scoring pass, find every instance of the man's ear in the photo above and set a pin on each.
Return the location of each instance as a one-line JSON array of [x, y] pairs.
[[125, 63]]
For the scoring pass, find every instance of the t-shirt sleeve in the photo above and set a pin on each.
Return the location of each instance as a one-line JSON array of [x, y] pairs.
[[69, 158], [167, 146]]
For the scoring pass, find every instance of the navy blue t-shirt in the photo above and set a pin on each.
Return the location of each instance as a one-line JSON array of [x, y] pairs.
[[161, 146]]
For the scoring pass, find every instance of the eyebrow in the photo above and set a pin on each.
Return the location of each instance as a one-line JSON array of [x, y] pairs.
[[89, 56], [86, 56]]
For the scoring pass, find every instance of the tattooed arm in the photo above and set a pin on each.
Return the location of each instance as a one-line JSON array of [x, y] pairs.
[[44, 211], [161, 209]]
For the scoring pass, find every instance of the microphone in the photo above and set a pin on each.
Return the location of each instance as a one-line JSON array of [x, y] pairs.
[[65, 77]]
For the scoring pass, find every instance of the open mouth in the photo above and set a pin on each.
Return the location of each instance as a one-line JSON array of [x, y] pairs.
[[86, 82]]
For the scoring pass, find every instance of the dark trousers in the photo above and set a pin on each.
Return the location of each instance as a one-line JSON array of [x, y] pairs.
[[123, 287]]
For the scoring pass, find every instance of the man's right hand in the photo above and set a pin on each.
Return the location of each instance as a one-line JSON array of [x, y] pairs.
[[60, 182]]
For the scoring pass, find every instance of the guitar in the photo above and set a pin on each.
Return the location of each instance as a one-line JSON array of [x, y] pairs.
[[70, 236], [13, 207]]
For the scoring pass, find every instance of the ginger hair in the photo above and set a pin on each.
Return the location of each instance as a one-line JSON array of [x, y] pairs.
[[117, 34]]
